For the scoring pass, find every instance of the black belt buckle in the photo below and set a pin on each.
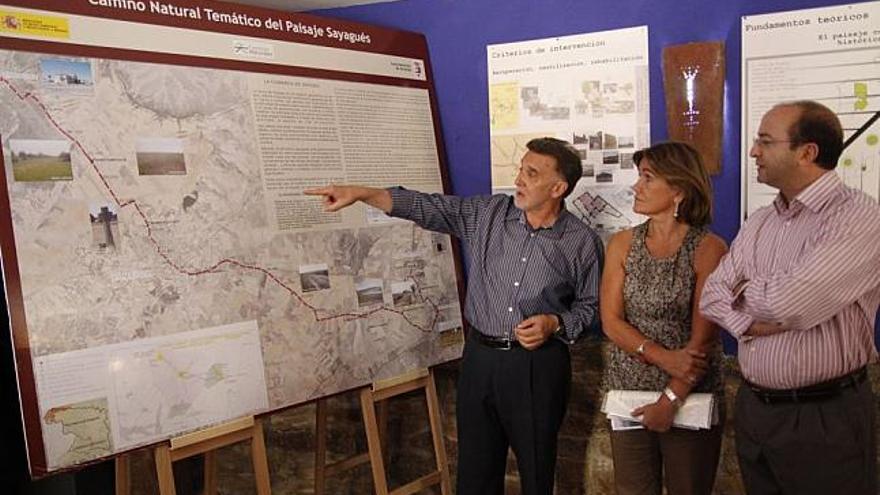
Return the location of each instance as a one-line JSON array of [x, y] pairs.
[[762, 395], [498, 343], [855, 379]]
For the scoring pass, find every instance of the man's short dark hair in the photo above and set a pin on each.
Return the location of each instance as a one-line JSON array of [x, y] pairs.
[[819, 125], [568, 163]]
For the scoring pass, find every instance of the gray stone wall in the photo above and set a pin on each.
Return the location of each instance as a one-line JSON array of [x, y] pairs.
[[584, 464]]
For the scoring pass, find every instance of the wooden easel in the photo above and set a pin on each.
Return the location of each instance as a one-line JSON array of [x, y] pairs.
[[372, 396], [204, 442], [324, 471]]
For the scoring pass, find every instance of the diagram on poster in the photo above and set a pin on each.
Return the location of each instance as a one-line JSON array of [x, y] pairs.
[[591, 90], [830, 55]]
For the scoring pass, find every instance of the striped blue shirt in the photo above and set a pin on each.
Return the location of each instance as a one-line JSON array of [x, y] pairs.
[[516, 271]]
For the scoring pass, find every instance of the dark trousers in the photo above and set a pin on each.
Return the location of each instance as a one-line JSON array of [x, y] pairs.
[[820, 447], [685, 459], [514, 398]]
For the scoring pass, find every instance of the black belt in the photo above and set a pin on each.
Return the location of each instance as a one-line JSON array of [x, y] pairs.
[[500, 343], [812, 393]]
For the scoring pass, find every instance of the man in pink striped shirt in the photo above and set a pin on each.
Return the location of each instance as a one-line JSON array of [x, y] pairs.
[[799, 290]]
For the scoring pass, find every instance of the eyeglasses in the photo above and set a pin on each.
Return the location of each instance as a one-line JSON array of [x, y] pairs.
[[763, 142]]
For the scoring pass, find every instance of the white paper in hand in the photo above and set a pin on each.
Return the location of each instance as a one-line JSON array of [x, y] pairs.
[[698, 410]]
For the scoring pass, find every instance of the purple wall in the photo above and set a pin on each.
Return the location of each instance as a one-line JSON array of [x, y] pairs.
[[458, 32]]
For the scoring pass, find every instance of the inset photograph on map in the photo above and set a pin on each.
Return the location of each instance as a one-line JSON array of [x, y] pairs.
[[369, 292], [38, 160], [105, 225], [160, 156], [314, 277], [626, 161], [450, 326], [625, 142], [65, 73], [403, 293]]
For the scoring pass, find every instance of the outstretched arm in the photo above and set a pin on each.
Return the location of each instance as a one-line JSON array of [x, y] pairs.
[[437, 212], [336, 197]]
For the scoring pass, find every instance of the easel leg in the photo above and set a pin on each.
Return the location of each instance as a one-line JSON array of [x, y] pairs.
[[437, 436], [123, 475], [261, 464], [382, 409], [373, 442], [164, 471], [320, 446], [379, 393], [210, 473], [207, 442]]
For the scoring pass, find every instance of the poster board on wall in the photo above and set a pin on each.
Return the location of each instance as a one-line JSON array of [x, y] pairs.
[[591, 90], [830, 55], [163, 270]]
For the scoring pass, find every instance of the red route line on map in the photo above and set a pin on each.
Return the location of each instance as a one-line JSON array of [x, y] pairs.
[[226, 261]]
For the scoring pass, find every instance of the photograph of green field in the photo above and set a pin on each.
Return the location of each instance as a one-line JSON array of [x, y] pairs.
[[160, 156], [40, 160]]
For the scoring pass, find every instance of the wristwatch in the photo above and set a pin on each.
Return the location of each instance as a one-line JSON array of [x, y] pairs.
[[560, 329], [673, 398]]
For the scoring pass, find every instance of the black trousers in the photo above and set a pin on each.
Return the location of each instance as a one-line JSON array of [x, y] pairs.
[[510, 398], [821, 447]]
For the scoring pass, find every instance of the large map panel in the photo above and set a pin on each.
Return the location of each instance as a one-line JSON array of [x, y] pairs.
[[173, 275]]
